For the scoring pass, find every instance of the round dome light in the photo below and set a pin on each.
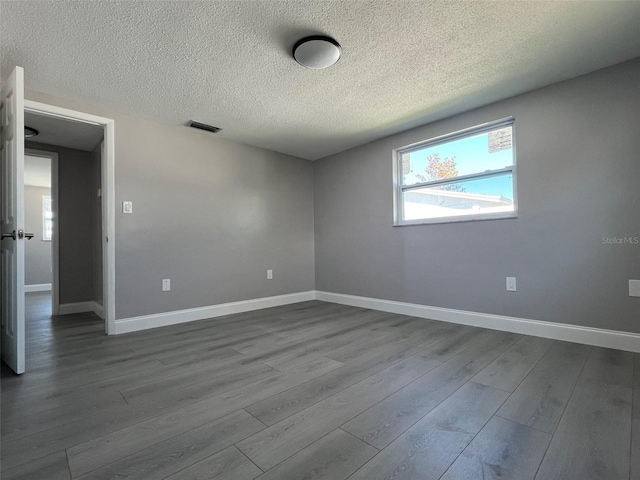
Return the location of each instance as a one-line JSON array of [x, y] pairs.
[[30, 132], [317, 52]]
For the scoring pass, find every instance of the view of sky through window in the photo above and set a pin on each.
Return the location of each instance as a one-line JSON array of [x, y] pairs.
[[467, 156]]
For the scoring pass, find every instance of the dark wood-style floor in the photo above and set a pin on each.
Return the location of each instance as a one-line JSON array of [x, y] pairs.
[[315, 391]]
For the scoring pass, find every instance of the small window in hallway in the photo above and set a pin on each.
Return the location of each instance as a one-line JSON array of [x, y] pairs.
[[47, 219]]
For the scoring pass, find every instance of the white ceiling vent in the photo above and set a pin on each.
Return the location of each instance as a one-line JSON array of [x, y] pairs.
[[203, 126]]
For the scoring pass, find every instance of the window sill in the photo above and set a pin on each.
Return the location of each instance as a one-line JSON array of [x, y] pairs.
[[439, 221]]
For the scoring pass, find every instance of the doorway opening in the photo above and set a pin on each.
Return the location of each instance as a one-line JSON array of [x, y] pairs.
[[39, 167], [80, 147]]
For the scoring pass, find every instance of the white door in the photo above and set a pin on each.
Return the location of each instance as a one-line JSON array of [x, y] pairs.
[[12, 220]]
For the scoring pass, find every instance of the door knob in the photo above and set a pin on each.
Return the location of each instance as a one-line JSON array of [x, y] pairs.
[[21, 234]]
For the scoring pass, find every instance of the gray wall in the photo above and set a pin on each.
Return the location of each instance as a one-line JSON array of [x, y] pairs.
[[209, 214], [96, 223], [37, 251], [213, 215], [578, 181], [75, 186]]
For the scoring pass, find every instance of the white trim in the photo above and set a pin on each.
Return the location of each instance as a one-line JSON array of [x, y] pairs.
[[37, 287], [98, 310], [144, 322], [108, 199], [64, 113], [557, 331], [80, 307], [55, 239]]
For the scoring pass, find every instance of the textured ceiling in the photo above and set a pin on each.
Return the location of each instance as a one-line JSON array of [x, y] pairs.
[[228, 63], [64, 133]]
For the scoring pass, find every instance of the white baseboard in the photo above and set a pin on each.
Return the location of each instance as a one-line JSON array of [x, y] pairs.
[[80, 307], [144, 322], [37, 287], [98, 310], [557, 331]]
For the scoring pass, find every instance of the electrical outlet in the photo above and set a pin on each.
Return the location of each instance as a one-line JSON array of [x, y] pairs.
[[166, 284], [269, 274], [634, 288], [511, 284]]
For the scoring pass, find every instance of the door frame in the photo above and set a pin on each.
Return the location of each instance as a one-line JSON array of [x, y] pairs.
[[108, 198], [55, 289]]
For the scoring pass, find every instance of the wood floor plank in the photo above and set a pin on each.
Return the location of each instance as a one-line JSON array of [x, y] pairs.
[[285, 340], [509, 369], [287, 437], [106, 449], [593, 437], [27, 448], [384, 422], [195, 385], [320, 347], [606, 365], [455, 343], [502, 449], [182, 451], [56, 396], [74, 358], [421, 331], [230, 464], [310, 371], [362, 346], [278, 407], [333, 457], [19, 422], [24, 450], [44, 380], [301, 349], [429, 447], [438, 332], [541, 398], [51, 467]]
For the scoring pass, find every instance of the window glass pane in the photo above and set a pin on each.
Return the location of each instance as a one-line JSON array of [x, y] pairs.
[[492, 150], [478, 196], [47, 218]]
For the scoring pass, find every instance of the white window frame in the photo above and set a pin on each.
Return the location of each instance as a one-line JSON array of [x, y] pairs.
[[44, 217], [399, 189]]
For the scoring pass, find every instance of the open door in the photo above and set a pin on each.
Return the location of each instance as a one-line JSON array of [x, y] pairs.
[[12, 221]]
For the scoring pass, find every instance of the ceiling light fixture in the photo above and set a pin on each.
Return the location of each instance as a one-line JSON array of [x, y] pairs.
[[317, 52], [30, 132]]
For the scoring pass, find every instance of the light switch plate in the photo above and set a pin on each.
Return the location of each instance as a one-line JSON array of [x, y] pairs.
[[166, 284], [511, 284], [634, 288], [127, 207]]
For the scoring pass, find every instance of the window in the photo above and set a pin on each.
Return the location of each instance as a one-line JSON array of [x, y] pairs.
[[47, 218], [467, 175]]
